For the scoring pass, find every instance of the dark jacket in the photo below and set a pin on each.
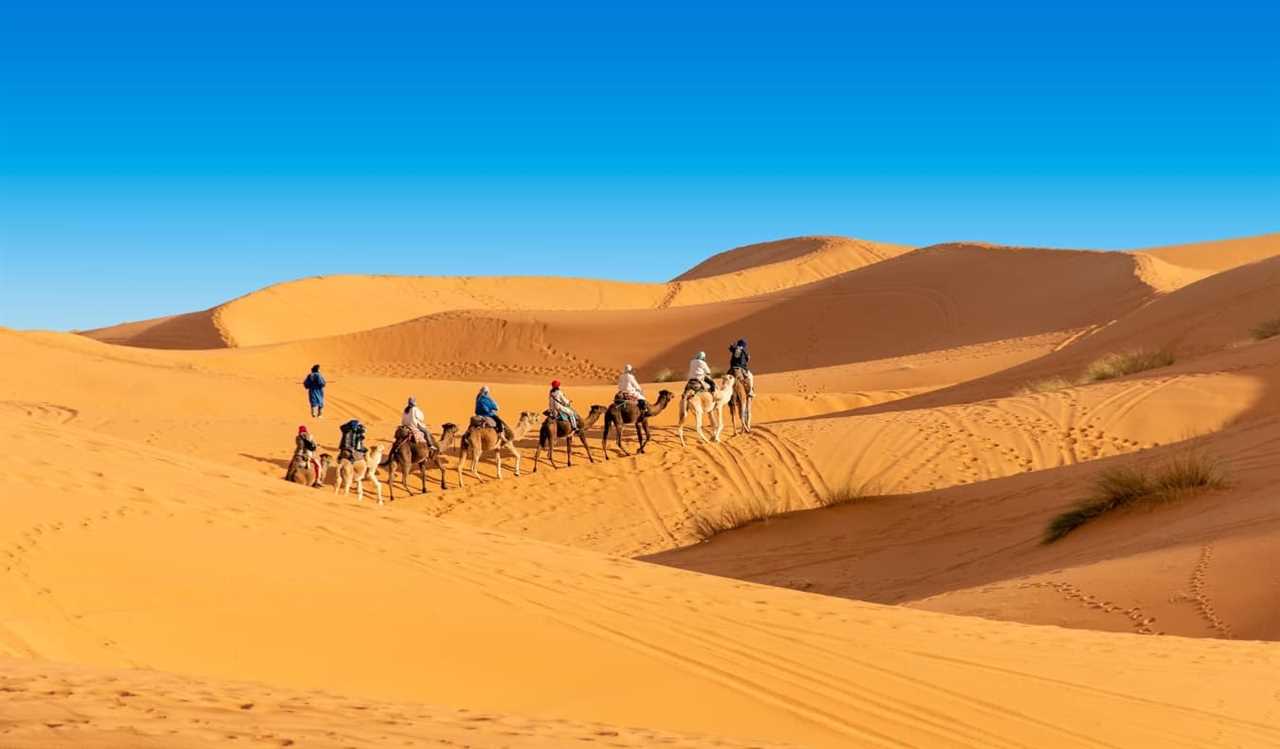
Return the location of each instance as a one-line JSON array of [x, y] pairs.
[[305, 443], [738, 356]]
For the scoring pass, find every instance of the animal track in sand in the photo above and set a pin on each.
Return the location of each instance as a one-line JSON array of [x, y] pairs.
[[1139, 619], [1199, 595]]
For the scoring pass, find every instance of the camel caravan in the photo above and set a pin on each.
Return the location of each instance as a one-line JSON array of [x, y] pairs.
[[415, 449]]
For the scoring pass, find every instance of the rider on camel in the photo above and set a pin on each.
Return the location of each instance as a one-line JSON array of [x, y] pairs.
[[487, 407], [738, 359], [629, 387], [560, 407], [700, 374], [414, 419]]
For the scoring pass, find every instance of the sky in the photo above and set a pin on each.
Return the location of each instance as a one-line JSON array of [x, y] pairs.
[[163, 157]]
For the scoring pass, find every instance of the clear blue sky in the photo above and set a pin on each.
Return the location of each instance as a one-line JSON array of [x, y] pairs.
[[158, 157]]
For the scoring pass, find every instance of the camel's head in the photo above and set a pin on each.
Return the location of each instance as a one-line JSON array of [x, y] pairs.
[[325, 461], [447, 429], [596, 412], [664, 396], [528, 418], [375, 455], [727, 382]]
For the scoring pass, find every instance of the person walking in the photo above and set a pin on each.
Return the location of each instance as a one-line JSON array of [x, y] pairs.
[[314, 383]]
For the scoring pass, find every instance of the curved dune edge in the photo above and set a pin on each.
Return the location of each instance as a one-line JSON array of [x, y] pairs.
[[923, 303], [333, 305], [1217, 256]]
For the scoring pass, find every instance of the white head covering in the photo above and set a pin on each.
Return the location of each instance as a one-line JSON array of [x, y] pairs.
[[628, 369]]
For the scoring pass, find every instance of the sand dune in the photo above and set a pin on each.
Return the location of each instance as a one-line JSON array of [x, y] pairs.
[[157, 575], [930, 300], [333, 305], [193, 330], [1213, 257]]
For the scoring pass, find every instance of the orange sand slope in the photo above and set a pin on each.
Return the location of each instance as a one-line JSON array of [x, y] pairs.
[[315, 307], [929, 300], [1212, 257], [153, 559]]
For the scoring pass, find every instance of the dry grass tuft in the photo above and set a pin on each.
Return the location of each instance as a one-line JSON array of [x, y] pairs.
[[732, 516], [1047, 385], [1132, 486], [847, 494], [1267, 329], [1127, 363]]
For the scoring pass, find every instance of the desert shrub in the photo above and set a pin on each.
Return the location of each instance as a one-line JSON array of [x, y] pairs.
[[1267, 329], [664, 375], [1047, 385], [843, 495], [1127, 363], [731, 516], [1132, 486]]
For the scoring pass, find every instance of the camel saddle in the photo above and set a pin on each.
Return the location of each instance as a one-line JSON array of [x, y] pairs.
[[623, 397], [484, 422]]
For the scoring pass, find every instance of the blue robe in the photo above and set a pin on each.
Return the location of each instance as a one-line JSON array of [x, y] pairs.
[[315, 389], [486, 406]]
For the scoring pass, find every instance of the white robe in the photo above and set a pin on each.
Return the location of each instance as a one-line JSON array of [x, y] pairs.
[[698, 370], [628, 385]]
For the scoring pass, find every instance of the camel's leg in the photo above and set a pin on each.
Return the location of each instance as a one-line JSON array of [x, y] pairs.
[[422, 473], [568, 450], [515, 452], [680, 427], [642, 434], [583, 436], [359, 485], [697, 423], [377, 486], [621, 447], [440, 463], [717, 421]]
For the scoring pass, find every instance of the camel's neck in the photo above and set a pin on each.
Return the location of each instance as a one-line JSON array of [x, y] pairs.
[[659, 406], [591, 419], [446, 440]]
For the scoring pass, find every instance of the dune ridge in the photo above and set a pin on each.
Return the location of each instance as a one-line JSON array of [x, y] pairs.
[[333, 305]]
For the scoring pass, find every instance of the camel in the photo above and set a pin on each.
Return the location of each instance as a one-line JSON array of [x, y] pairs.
[[740, 404], [628, 412], [308, 471], [480, 438], [357, 471], [703, 402], [545, 440], [406, 453]]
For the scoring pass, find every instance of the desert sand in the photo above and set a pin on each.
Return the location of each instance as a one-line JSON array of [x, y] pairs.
[[161, 585]]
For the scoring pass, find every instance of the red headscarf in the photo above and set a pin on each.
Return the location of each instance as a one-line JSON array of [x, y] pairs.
[[302, 429], [555, 384]]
